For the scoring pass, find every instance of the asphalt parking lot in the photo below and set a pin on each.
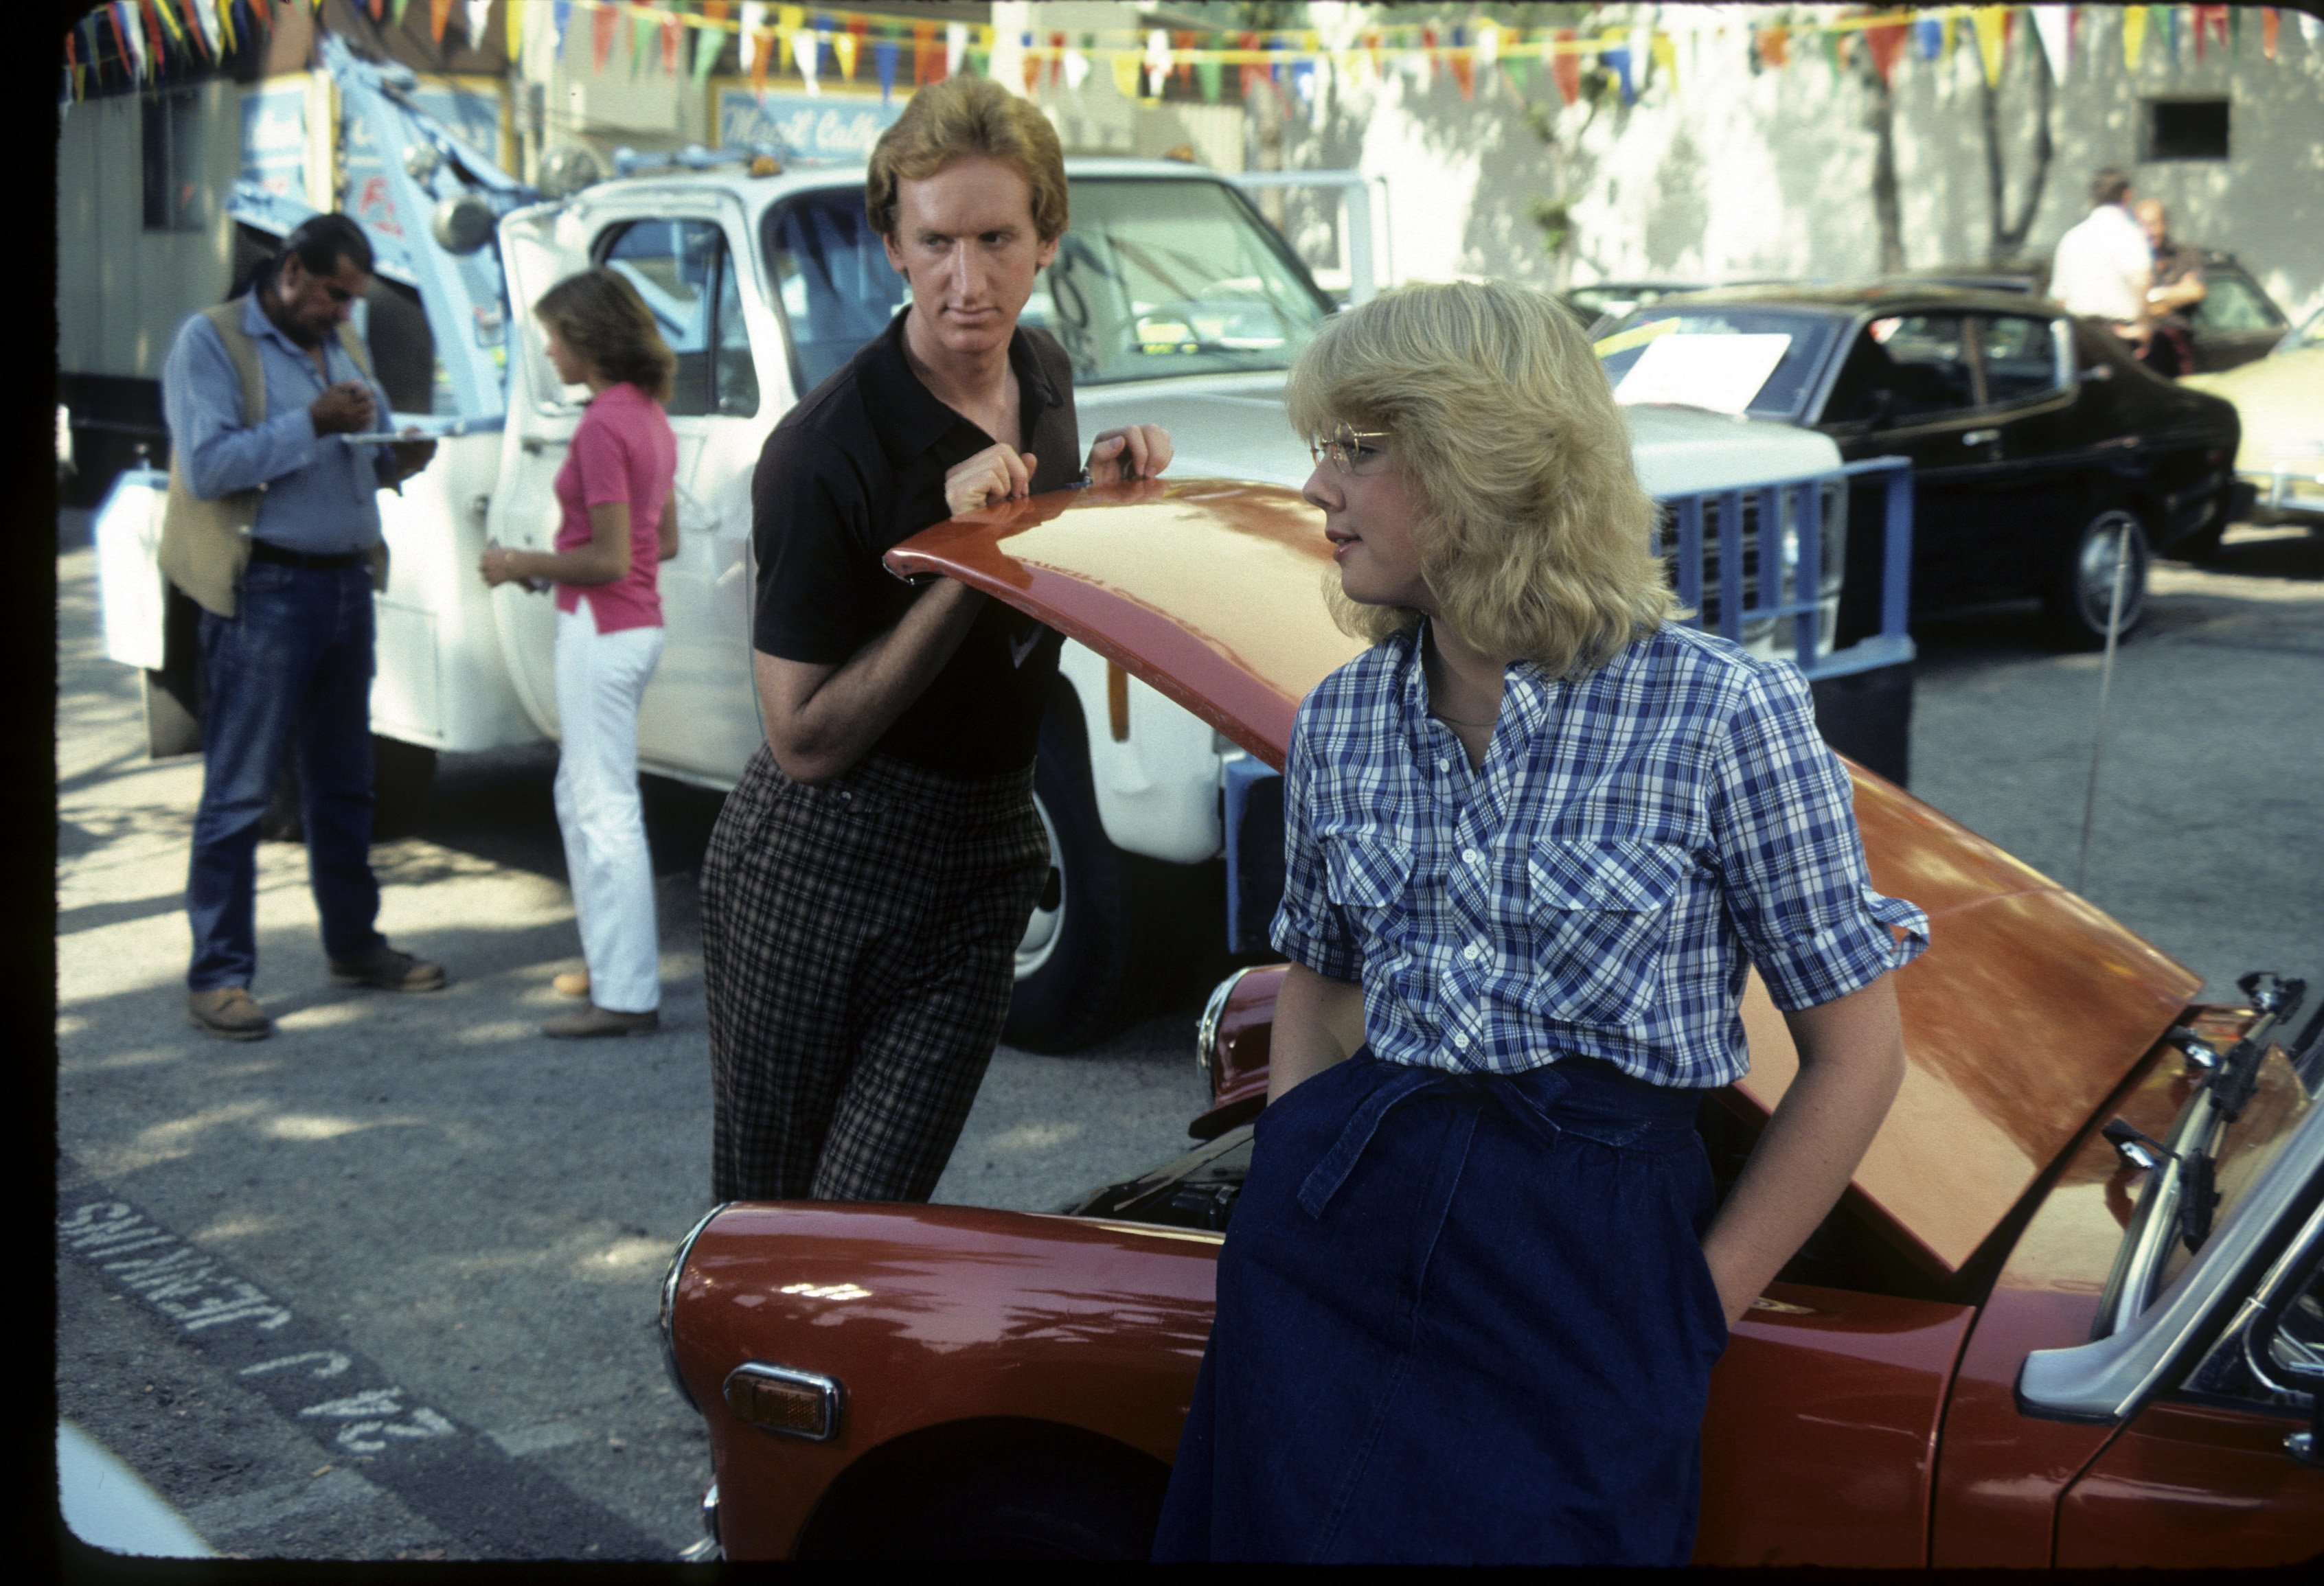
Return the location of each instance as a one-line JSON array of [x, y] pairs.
[[383, 1286]]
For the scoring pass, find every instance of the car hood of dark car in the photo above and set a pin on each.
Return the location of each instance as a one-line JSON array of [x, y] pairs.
[[2029, 1008]]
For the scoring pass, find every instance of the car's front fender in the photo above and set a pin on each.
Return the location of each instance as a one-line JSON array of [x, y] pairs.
[[926, 1316]]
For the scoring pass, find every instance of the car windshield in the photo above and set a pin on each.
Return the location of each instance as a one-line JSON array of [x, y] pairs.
[[1732, 359], [1154, 277]]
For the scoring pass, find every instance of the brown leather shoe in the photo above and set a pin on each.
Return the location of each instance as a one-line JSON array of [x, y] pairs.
[[229, 1013], [384, 969], [601, 1021], [572, 983]]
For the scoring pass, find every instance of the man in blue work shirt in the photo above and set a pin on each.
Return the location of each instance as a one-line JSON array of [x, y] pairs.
[[273, 529]]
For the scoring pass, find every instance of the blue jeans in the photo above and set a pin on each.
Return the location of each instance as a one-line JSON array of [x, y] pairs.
[[295, 658]]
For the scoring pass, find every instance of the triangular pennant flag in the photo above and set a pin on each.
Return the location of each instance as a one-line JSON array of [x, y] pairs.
[[1928, 36], [1775, 46], [513, 28], [1123, 64], [1077, 65], [673, 36], [1181, 44], [2168, 16], [1463, 62], [2052, 27], [927, 65], [806, 49], [560, 14], [642, 33], [1566, 68], [479, 22], [708, 44], [439, 11], [1207, 72], [955, 47], [883, 60], [1881, 41], [2133, 35], [843, 45], [1665, 54], [601, 37], [2267, 25], [1990, 21]]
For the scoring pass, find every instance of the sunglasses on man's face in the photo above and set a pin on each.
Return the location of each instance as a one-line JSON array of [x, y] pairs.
[[1346, 447]]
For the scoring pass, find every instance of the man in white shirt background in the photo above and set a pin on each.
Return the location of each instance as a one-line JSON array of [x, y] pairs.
[[2103, 265]]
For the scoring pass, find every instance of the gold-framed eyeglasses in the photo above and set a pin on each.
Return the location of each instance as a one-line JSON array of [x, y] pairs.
[[1345, 445]]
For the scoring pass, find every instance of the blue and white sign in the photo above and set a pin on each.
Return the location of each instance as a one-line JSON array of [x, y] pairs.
[[473, 117], [811, 126], [274, 138]]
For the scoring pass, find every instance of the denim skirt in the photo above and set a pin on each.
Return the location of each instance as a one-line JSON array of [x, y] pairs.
[[1461, 1319]]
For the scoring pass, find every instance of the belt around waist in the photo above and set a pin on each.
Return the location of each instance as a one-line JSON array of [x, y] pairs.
[[323, 561]]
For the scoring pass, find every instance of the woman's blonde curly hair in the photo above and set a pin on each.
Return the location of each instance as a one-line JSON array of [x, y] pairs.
[[1534, 538]]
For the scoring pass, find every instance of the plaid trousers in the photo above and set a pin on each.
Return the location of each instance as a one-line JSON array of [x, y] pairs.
[[859, 943]]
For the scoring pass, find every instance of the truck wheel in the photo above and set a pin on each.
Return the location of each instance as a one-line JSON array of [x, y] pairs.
[[402, 775], [1074, 957], [2082, 588]]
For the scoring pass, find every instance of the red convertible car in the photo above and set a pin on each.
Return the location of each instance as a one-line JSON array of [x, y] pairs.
[[2067, 1314]]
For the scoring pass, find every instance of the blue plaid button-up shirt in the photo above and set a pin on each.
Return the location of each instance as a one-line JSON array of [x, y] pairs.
[[1636, 839]]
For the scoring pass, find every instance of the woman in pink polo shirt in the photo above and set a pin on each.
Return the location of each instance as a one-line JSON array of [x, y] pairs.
[[619, 524]]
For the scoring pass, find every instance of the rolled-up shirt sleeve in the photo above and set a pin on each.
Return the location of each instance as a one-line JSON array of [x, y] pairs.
[[202, 395], [1791, 858], [1309, 929]]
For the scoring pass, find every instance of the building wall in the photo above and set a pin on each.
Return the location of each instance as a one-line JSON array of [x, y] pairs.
[[122, 290], [1732, 172]]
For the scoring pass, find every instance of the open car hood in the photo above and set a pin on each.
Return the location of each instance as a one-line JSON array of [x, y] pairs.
[[2029, 1010]]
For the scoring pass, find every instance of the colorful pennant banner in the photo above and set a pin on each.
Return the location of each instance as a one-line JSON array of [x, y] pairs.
[[147, 40]]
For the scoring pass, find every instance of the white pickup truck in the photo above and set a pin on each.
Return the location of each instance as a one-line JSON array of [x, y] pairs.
[[1179, 306]]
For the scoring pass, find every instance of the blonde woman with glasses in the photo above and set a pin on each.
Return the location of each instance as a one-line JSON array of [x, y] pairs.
[[1535, 836]]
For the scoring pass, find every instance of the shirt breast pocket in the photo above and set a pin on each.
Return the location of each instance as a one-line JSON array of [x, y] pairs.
[[1600, 913], [1369, 878]]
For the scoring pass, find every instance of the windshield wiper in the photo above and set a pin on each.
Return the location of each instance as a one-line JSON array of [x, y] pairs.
[[2180, 1197]]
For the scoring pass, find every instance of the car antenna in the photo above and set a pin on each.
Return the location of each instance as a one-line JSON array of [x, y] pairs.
[[2105, 687]]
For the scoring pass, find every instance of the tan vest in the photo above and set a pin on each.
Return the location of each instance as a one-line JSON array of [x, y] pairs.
[[206, 544]]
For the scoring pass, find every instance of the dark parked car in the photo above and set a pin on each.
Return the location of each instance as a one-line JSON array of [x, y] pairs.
[[2235, 322], [1610, 300], [2037, 441]]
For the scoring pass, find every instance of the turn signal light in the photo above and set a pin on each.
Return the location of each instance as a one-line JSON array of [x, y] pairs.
[[799, 1404]]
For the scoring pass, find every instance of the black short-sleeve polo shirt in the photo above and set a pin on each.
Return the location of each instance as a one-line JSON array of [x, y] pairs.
[[858, 466]]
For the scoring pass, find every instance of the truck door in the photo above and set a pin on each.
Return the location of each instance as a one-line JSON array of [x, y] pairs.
[[700, 719], [539, 247], [689, 262]]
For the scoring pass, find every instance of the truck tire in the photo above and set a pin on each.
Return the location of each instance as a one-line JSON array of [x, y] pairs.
[[1074, 962], [402, 776], [2082, 586]]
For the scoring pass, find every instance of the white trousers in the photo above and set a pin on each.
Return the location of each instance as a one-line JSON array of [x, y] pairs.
[[600, 679]]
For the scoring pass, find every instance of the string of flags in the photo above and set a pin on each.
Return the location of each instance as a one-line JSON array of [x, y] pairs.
[[142, 40]]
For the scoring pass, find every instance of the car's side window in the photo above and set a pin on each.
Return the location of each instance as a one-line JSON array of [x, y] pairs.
[[2230, 304], [685, 274], [1903, 368], [2020, 357]]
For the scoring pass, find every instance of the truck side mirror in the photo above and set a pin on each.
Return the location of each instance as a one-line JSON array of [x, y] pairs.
[[462, 224]]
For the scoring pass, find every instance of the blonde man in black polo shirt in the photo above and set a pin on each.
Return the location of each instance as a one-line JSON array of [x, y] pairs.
[[871, 876]]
